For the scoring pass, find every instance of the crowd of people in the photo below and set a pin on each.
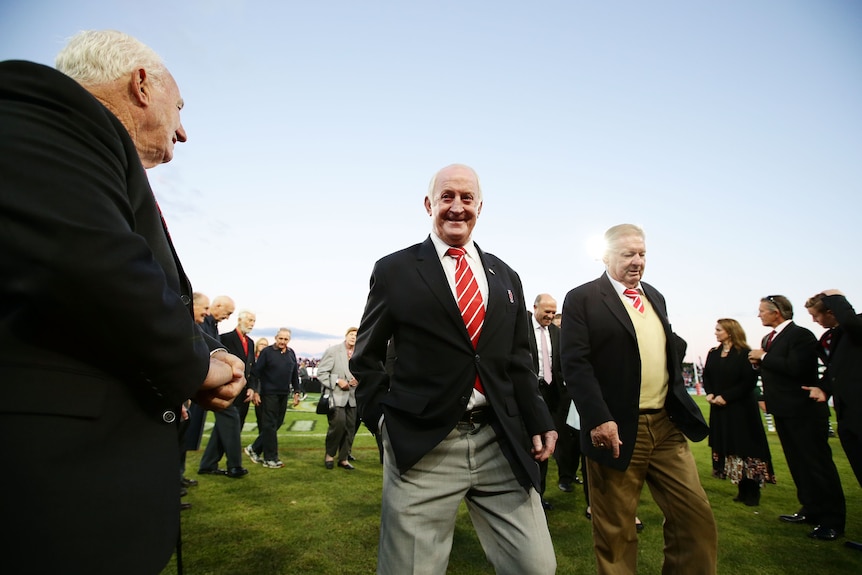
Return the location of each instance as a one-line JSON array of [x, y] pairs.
[[468, 392]]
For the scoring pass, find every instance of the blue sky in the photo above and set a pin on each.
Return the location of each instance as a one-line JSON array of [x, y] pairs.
[[731, 131]]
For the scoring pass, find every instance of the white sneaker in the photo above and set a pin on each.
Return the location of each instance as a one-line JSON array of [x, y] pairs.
[[255, 458], [273, 464]]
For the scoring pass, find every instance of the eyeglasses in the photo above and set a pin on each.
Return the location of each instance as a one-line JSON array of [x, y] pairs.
[[771, 299]]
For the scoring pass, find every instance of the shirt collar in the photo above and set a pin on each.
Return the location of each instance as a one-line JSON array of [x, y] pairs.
[[780, 327], [620, 288], [442, 248]]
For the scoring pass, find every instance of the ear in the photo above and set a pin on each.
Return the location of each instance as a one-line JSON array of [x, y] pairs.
[[427, 205], [140, 85], [479, 209]]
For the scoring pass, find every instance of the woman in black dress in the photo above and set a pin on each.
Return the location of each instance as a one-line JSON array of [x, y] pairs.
[[739, 447]]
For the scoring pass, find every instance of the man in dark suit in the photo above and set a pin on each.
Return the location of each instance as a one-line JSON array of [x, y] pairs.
[[621, 368], [80, 230], [460, 414], [226, 436], [788, 364], [840, 349], [238, 343], [545, 349]]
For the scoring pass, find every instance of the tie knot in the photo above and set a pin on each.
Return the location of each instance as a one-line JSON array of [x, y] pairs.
[[631, 292], [456, 253]]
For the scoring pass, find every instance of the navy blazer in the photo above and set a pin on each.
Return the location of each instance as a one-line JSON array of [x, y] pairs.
[[435, 364], [601, 366]]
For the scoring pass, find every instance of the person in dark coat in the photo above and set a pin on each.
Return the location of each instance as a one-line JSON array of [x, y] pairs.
[[739, 447]]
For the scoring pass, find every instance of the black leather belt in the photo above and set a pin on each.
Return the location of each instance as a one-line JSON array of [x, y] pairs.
[[651, 411], [478, 416]]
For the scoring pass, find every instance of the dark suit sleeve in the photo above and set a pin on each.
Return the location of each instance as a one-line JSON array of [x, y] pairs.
[[370, 354], [577, 351], [801, 353], [68, 238], [846, 316]]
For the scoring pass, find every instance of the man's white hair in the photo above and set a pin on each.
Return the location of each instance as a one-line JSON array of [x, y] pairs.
[[96, 57]]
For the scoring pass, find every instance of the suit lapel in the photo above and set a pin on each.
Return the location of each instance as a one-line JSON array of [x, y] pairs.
[[500, 294], [431, 271], [612, 300]]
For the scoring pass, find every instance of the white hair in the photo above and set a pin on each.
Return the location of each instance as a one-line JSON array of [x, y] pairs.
[[96, 57]]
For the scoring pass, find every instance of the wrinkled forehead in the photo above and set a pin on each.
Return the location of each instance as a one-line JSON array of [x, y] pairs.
[[457, 178]]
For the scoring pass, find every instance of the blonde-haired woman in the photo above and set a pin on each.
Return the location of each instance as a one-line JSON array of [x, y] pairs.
[[739, 447]]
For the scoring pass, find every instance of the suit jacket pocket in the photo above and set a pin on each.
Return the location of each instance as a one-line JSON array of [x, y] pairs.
[[401, 400]]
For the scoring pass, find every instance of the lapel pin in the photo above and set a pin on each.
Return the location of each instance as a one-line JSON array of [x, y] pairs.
[[511, 297]]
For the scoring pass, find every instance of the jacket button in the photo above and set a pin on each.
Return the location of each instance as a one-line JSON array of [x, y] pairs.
[[477, 358], [169, 416], [185, 299]]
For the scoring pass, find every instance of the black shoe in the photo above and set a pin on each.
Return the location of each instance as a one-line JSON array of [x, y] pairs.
[[185, 506], [212, 472], [825, 533], [795, 518], [566, 486], [186, 482], [329, 464], [578, 480], [853, 545], [351, 458], [546, 505], [237, 472], [587, 514], [639, 526], [183, 491], [345, 465]]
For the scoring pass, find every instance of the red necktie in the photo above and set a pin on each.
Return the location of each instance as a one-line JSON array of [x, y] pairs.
[[244, 341], [635, 296], [469, 299], [769, 340]]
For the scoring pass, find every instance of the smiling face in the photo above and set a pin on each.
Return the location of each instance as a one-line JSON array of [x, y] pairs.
[[454, 204], [545, 310], [626, 259]]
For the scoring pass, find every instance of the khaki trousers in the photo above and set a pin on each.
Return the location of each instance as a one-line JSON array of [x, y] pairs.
[[663, 459], [419, 508]]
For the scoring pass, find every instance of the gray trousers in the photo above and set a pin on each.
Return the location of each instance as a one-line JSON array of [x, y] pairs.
[[419, 509], [342, 430]]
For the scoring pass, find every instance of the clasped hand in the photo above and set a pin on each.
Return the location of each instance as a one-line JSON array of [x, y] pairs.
[[224, 381]]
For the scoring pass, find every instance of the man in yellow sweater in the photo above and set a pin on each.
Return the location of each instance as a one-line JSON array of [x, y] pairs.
[[622, 367]]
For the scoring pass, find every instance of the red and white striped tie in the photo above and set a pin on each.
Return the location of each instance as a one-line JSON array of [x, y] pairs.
[[635, 296], [469, 299]]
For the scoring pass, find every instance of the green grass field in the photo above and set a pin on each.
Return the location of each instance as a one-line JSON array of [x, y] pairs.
[[305, 519]]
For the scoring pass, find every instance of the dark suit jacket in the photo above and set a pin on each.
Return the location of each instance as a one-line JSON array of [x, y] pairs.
[[601, 366], [81, 239], [790, 363], [843, 376], [436, 365], [233, 344], [554, 393]]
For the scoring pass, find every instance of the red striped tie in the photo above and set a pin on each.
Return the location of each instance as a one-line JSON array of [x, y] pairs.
[[469, 299], [635, 296]]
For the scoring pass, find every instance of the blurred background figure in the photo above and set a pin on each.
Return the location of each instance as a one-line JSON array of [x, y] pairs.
[[334, 374], [740, 451]]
